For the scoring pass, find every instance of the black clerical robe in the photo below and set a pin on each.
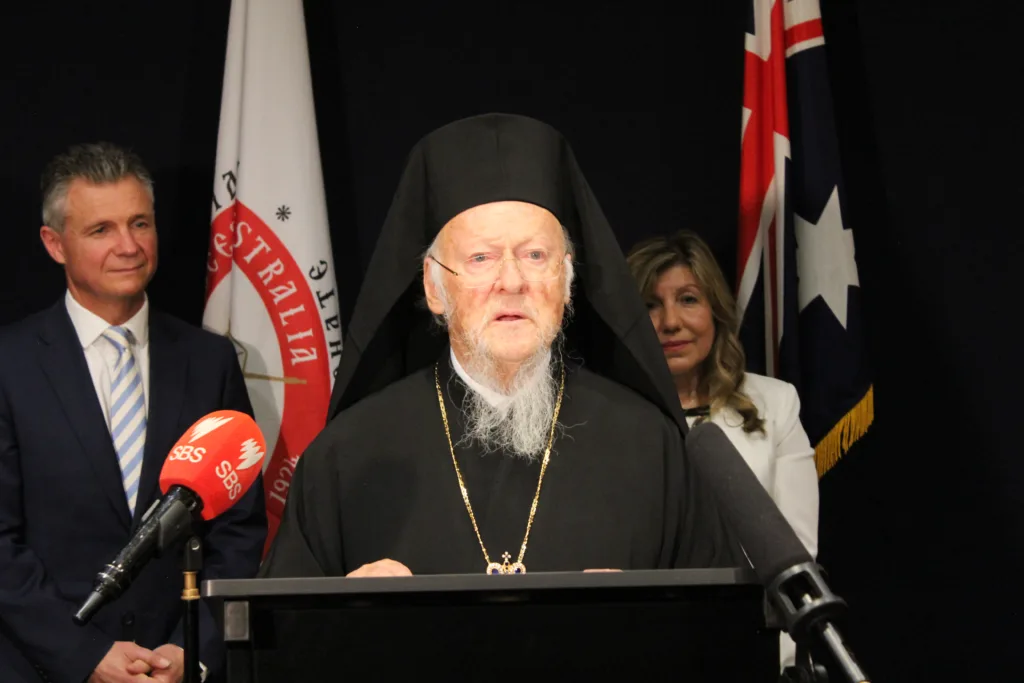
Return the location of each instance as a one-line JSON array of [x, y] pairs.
[[379, 482]]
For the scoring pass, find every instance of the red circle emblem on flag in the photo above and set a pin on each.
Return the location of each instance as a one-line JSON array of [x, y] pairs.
[[241, 237]]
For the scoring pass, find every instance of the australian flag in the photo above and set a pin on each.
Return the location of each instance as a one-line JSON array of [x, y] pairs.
[[798, 289]]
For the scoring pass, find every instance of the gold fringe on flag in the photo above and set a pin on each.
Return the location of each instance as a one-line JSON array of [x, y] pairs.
[[851, 427]]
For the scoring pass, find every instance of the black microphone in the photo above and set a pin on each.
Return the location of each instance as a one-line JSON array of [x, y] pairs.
[[166, 522], [792, 580]]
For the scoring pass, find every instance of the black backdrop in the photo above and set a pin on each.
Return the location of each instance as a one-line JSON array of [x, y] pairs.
[[921, 527]]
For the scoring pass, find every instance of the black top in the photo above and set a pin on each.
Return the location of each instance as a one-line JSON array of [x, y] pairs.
[[697, 411]]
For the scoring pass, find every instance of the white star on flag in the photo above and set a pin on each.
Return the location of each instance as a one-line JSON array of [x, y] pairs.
[[825, 259]]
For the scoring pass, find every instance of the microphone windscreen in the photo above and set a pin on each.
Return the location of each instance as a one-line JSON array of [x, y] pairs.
[[769, 541], [218, 458]]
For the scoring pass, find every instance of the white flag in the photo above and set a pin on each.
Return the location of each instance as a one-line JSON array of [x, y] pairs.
[[270, 276]]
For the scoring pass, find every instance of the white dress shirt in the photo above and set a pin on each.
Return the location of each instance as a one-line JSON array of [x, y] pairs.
[[100, 354]]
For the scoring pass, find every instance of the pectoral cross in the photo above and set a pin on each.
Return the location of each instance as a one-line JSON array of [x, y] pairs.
[[506, 567]]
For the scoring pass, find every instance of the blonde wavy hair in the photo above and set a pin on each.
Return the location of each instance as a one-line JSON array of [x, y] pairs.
[[723, 371]]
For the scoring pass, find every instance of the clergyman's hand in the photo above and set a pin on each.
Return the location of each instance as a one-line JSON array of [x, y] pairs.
[[381, 568], [114, 667]]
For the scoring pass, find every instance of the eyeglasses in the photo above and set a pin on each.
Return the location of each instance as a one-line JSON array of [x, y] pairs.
[[482, 270]]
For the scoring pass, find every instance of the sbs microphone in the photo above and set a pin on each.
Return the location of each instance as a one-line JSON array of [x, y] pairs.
[[792, 580], [207, 471]]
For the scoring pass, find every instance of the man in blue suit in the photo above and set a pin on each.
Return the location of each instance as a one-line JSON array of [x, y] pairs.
[[94, 392]]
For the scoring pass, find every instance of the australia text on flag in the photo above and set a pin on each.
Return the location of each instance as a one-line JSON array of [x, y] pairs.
[[798, 287]]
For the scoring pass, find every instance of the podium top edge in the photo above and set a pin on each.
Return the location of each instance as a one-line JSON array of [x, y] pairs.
[[449, 583]]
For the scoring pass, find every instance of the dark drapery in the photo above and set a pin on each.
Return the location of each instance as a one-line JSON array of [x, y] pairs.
[[649, 98]]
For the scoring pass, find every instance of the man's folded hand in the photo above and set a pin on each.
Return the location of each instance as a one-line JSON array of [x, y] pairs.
[[173, 672], [125, 662]]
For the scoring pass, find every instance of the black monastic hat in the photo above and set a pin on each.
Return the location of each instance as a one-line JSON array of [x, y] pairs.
[[474, 161]]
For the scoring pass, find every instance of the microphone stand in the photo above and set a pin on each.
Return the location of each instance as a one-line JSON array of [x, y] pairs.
[[809, 608], [193, 563], [804, 669]]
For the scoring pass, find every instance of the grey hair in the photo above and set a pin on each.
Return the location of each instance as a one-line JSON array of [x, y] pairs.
[[100, 163], [433, 252]]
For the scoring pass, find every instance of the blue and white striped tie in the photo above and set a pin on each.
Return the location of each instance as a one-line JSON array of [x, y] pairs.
[[127, 412]]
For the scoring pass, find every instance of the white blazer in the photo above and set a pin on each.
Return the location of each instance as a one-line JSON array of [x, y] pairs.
[[782, 459]]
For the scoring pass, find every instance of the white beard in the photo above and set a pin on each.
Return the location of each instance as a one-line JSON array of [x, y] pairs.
[[516, 420]]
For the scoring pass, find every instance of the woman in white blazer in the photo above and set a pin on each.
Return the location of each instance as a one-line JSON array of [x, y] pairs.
[[694, 313]]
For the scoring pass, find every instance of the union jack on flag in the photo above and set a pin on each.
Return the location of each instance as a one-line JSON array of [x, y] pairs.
[[798, 290]]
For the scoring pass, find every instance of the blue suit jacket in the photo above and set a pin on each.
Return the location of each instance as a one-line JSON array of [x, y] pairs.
[[63, 512]]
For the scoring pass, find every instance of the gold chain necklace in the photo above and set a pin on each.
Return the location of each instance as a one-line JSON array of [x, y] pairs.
[[506, 567]]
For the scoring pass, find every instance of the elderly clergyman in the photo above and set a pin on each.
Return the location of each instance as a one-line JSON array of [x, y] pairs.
[[534, 428]]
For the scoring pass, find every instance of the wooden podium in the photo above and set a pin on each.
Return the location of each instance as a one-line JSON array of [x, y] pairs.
[[691, 625]]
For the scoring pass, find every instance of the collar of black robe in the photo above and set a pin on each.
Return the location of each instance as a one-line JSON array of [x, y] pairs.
[[483, 159], [455, 388], [454, 391]]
